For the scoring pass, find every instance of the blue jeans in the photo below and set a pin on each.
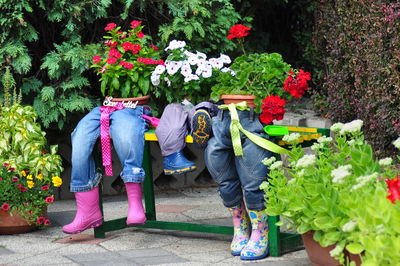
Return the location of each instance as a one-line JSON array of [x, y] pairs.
[[238, 177], [127, 129]]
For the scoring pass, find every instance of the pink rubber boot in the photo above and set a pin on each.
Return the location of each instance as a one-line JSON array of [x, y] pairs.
[[88, 213], [135, 206]]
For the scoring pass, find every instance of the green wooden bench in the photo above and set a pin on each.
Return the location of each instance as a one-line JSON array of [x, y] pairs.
[[279, 242]]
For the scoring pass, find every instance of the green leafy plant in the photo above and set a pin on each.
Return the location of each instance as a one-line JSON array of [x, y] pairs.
[[334, 191], [29, 171], [127, 62]]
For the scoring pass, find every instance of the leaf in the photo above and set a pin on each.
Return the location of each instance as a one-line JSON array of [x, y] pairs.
[[355, 248], [115, 83], [144, 85]]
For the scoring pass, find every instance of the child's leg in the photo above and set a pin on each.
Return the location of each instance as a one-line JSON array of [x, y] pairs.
[[84, 180], [171, 133]]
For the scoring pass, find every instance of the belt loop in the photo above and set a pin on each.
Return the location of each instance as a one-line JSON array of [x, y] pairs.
[[251, 114], [220, 114]]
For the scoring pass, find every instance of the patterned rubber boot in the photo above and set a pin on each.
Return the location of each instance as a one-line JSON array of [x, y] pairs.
[[257, 247], [241, 229], [201, 127], [176, 163], [88, 214]]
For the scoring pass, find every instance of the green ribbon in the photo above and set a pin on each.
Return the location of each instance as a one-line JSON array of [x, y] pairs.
[[236, 128]]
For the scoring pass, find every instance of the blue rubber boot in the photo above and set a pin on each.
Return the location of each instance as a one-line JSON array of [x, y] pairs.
[[176, 163]]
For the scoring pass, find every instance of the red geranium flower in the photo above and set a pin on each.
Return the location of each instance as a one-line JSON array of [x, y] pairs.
[[127, 46], [49, 200], [272, 109], [110, 26], [5, 207], [114, 53], [238, 31], [96, 59], [296, 84], [393, 189], [127, 65]]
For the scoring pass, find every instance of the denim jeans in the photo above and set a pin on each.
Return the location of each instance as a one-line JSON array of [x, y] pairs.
[[127, 129], [237, 177]]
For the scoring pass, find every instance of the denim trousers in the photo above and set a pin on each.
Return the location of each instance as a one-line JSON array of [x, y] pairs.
[[238, 177], [127, 129]]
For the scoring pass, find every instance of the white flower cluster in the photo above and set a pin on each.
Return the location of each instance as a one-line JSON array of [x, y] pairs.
[[396, 143], [336, 127], [349, 226], [276, 165], [340, 173], [268, 160], [316, 146], [202, 67], [306, 160], [363, 180], [385, 161], [291, 138], [351, 127], [324, 139]]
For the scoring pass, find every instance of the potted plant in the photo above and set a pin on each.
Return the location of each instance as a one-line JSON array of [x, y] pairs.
[[333, 195], [126, 62], [29, 170], [263, 80], [188, 74]]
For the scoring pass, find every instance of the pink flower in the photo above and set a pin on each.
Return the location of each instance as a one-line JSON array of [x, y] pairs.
[[140, 34], [26, 203], [155, 48], [114, 53], [47, 222], [111, 60], [41, 220], [135, 23], [11, 169], [110, 26], [49, 199], [127, 65], [1, 178], [23, 189], [45, 187], [96, 59], [5, 207], [127, 46], [6, 164], [14, 179]]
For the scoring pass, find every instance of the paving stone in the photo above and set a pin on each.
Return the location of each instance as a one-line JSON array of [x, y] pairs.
[[144, 253], [100, 256], [4, 251], [171, 259], [83, 239], [173, 208]]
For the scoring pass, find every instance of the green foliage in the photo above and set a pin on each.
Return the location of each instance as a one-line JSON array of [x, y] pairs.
[[256, 74], [28, 169], [335, 192], [203, 24], [360, 47]]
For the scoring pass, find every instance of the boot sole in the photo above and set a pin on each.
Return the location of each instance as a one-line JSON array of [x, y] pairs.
[[136, 223], [255, 257], [179, 171], [201, 127], [92, 225]]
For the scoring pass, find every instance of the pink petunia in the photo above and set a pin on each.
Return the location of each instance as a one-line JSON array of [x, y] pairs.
[[49, 199], [5, 207]]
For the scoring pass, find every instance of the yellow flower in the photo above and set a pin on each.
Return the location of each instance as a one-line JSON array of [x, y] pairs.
[[29, 177], [40, 177], [23, 173], [57, 181], [30, 184]]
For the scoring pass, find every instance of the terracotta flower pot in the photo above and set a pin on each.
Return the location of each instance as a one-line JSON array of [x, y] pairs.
[[235, 98], [354, 257], [143, 100], [318, 255], [14, 224]]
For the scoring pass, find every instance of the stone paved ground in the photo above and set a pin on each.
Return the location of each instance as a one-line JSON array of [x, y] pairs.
[[134, 246]]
